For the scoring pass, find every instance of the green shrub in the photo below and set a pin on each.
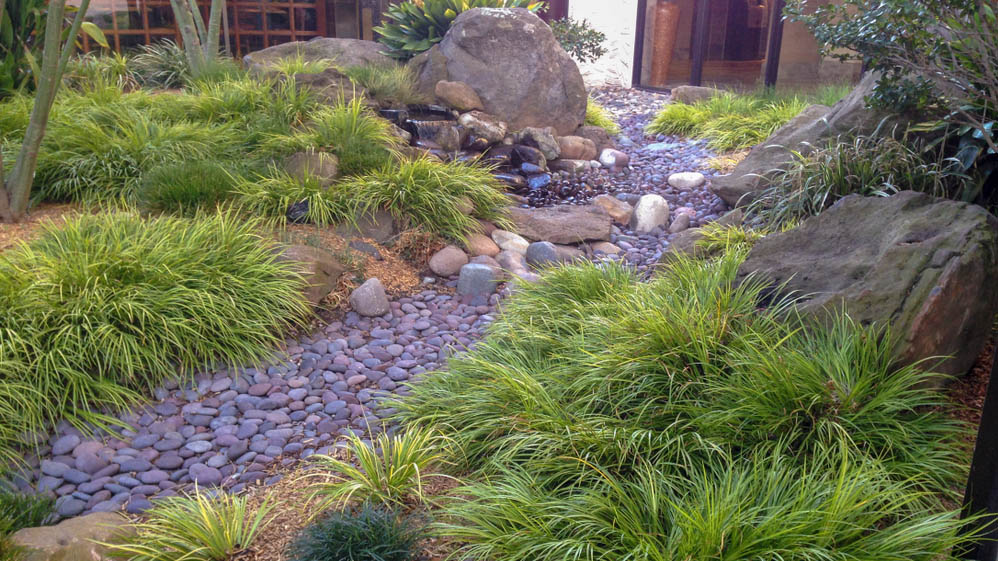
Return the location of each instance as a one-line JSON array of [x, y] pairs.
[[606, 418], [579, 39], [161, 64], [361, 140], [869, 166], [188, 187], [389, 472], [19, 510], [390, 85], [367, 534], [274, 193], [729, 121], [89, 71], [105, 306], [597, 116], [196, 528], [429, 195], [411, 27]]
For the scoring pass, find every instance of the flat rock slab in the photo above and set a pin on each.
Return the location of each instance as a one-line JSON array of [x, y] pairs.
[[72, 539], [563, 224], [926, 266]]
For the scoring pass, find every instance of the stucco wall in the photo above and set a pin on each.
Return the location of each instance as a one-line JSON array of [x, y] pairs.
[[616, 19]]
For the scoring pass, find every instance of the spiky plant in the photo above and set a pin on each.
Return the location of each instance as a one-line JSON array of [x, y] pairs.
[[359, 534]]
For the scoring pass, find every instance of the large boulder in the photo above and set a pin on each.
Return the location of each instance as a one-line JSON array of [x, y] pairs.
[[927, 267], [515, 65], [339, 52], [812, 128], [72, 539], [563, 224]]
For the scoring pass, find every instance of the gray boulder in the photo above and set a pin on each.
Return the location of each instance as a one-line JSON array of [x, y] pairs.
[[369, 299], [562, 224], [812, 128], [512, 60], [339, 52], [692, 94], [926, 266]]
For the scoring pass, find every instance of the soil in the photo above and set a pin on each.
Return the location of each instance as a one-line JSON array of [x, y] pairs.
[[29, 228]]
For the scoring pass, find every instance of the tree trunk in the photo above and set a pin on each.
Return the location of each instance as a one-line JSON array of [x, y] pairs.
[[214, 25], [189, 33]]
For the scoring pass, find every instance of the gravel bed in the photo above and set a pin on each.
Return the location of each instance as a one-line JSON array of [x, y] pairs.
[[236, 427]]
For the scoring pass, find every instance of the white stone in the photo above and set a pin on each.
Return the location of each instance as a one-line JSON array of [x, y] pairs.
[[687, 180], [652, 211], [509, 241]]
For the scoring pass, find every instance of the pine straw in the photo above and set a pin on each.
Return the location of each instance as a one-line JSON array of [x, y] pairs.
[[293, 510]]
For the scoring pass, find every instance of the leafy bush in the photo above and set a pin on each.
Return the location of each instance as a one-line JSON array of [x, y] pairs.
[[430, 194], [162, 64], [870, 166], [188, 187], [367, 534], [22, 21], [597, 116], [19, 510], [579, 39], [390, 85], [275, 193], [107, 305], [361, 140], [606, 418], [196, 528], [389, 472], [413, 26], [89, 71]]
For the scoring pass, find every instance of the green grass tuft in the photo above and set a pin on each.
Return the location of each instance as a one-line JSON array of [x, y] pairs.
[[187, 188], [364, 534], [19, 511], [272, 195], [98, 310], [388, 84], [428, 194], [597, 116]]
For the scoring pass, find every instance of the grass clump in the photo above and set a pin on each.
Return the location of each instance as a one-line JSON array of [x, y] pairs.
[[281, 196], [365, 534], [388, 84], [607, 418], [17, 511], [429, 195], [161, 64], [104, 307], [361, 140], [289, 66], [389, 471], [597, 116], [196, 528], [873, 166], [186, 188]]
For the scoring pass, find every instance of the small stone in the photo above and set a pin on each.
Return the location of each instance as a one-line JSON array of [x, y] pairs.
[[477, 281], [448, 261], [458, 95], [680, 223], [369, 299], [652, 211], [540, 254], [606, 248], [619, 210], [508, 241], [614, 159], [65, 445], [687, 180], [69, 507], [480, 244]]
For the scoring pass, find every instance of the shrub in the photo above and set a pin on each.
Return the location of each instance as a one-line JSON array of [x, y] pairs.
[[869, 166], [188, 187], [390, 85], [367, 534], [389, 471], [107, 305], [89, 71], [606, 418], [413, 26], [597, 116], [162, 64], [196, 528], [729, 121], [361, 140], [278, 195], [579, 39], [430, 194]]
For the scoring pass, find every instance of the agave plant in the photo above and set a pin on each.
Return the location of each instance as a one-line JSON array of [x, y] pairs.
[[414, 26]]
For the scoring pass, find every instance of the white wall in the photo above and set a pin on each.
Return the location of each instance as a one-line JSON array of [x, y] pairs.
[[616, 19]]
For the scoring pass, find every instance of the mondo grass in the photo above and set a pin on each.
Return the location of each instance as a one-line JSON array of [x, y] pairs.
[[19, 510], [388, 84], [104, 307], [187, 188], [872, 166], [606, 418], [597, 116], [196, 528], [728, 121], [430, 195], [364, 534], [277, 194], [389, 471]]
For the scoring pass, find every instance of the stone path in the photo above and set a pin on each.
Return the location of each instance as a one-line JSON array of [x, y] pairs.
[[232, 428]]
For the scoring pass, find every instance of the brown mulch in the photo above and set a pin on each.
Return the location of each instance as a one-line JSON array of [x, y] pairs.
[[29, 228]]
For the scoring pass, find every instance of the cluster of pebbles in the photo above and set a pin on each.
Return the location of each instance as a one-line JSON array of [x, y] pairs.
[[233, 428]]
